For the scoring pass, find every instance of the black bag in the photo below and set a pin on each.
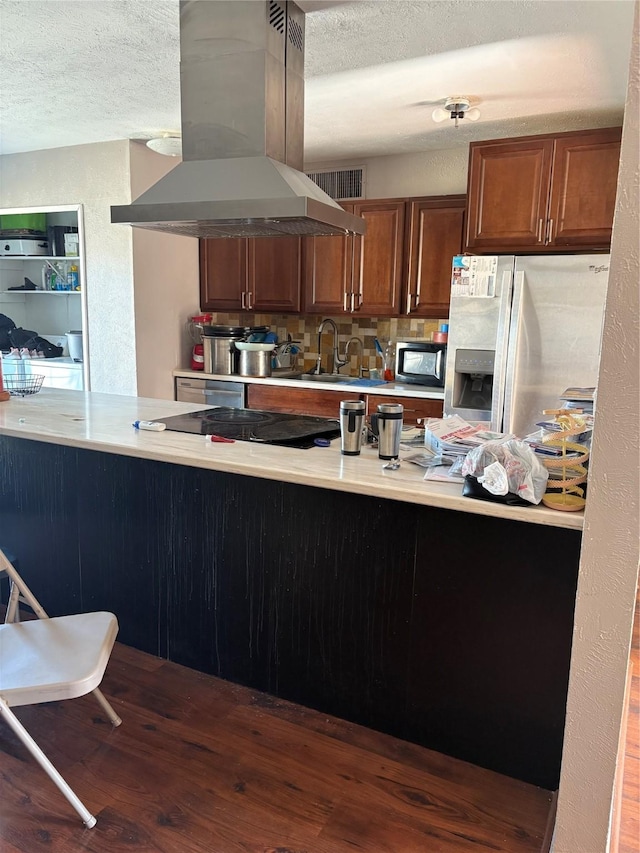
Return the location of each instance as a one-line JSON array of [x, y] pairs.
[[473, 489], [6, 325], [20, 338]]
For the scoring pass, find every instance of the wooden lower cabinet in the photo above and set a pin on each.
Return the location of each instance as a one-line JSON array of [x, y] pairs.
[[414, 407], [326, 404], [298, 401]]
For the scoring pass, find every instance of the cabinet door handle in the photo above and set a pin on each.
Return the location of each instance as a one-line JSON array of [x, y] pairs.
[[249, 300], [550, 231], [539, 232], [353, 302], [243, 300], [344, 302]]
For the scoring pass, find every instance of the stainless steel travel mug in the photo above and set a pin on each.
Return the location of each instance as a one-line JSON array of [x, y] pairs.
[[351, 423], [387, 425]]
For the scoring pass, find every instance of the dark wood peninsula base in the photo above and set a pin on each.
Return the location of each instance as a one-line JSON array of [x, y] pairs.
[[447, 629]]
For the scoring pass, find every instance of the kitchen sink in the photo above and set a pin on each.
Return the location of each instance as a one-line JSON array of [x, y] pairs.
[[326, 377]]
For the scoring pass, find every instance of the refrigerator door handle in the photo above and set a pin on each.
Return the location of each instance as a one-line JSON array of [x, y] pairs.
[[512, 352]]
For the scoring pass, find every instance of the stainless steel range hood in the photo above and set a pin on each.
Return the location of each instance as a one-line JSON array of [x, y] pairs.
[[242, 95]]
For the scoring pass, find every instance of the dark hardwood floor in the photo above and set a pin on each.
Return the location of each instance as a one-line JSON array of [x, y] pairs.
[[200, 765]]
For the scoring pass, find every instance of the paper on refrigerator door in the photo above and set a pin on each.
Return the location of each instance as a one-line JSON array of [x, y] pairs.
[[474, 275]]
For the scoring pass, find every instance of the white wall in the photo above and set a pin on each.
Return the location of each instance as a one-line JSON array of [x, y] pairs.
[[166, 294], [95, 176], [609, 561], [405, 175], [141, 285]]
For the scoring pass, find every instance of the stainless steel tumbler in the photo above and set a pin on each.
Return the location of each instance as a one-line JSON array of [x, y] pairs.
[[386, 423], [351, 424]]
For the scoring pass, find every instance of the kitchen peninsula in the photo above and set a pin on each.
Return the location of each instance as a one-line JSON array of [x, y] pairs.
[[369, 594]]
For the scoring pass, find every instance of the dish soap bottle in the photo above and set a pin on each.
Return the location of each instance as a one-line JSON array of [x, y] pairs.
[[388, 362], [73, 282]]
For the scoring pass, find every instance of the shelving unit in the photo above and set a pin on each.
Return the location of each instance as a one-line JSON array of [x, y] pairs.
[[51, 318]]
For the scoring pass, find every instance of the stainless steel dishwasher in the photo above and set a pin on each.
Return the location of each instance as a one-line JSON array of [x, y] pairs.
[[210, 392]]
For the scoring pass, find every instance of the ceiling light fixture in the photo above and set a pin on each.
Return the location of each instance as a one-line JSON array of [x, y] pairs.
[[456, 108], [169, 144]]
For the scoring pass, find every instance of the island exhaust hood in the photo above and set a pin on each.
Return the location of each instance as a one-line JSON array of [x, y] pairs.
[[242, 105]]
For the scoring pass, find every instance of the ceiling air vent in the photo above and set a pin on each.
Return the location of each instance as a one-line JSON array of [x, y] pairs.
[[340, 184]]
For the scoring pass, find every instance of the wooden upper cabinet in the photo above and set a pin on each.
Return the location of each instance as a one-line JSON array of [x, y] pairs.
[[583, 190], [328, 262], [223, 274], [508, 193], [345, 275], [543, 193], [378, 259], [257, 274], [274, 274], [435, 235]]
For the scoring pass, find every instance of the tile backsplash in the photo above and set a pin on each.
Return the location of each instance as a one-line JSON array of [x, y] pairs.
[[304, 330]]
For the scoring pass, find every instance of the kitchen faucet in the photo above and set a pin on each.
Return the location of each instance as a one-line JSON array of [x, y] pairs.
[[359, 344], [337, 361]]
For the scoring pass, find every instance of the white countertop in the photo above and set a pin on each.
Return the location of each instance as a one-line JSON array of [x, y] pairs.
[[392, 389], [103, 422]]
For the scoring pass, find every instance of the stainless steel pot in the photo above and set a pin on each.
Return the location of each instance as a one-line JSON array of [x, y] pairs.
[[220, 354], [255, 363]]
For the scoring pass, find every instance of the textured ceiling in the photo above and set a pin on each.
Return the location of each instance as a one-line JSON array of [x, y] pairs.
[[77, 71]]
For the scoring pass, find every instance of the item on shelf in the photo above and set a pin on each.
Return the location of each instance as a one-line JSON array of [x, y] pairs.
[[567, 472], [73, 280], [24, 245], [74, 345], [71, 245], [28, 285], [25, 339], [55, 236], [23, 222]]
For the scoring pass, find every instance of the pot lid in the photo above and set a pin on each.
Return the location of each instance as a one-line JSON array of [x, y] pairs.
[[232, 331]]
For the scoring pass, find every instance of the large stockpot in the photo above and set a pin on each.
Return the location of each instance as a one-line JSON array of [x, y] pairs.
[[220, 354], [255, 362]]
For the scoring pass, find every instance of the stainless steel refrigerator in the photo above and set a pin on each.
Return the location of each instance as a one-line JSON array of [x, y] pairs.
[[521, 330]]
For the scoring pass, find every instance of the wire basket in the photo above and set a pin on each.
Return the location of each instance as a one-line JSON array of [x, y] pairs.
[[23, 386]]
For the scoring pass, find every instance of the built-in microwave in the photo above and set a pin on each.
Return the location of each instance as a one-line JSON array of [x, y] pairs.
[[421, 362]]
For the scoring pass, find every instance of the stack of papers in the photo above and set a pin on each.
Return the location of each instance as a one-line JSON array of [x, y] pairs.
[[455, 437], [578, 398], [447, 442]]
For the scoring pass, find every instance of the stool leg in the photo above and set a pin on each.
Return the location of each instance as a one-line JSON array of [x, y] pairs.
[[47, 766], [13, 613], [106, 707]]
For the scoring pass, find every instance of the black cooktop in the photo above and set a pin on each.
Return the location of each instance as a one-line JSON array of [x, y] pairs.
[[251, 425]]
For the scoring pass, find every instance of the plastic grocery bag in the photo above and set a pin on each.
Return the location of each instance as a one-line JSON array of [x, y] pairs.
[[504, 467]]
